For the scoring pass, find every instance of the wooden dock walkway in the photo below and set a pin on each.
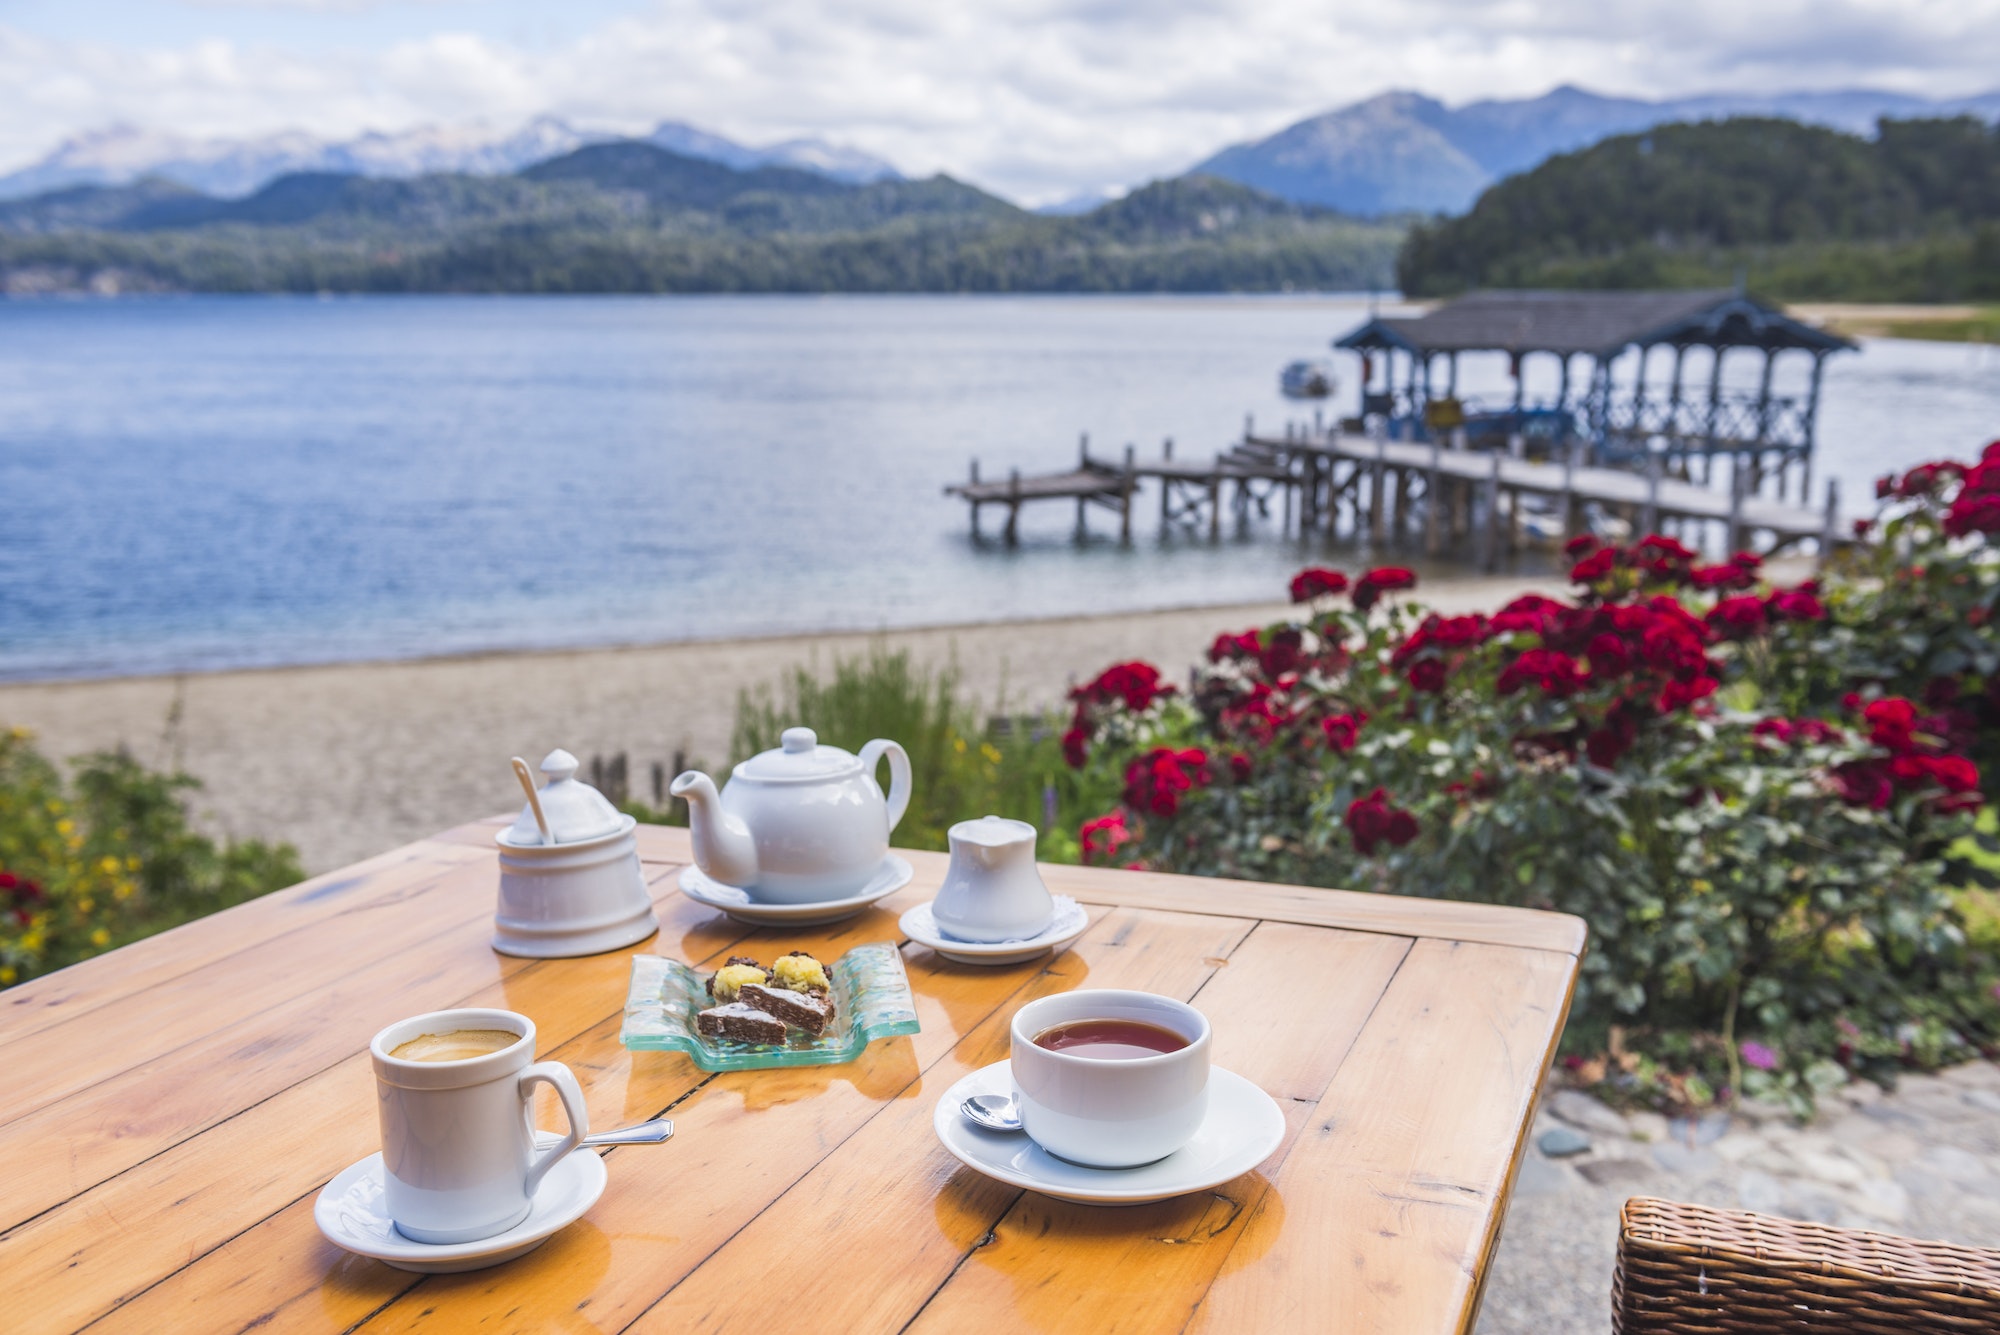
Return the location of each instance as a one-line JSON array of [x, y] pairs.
[[1380, 480], [1464, 496]]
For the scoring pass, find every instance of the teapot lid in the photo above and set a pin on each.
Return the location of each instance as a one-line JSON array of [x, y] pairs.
[[575, 810], [799, 757]]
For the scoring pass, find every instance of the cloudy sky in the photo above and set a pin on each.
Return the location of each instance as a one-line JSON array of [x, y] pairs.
[[1038, 99]]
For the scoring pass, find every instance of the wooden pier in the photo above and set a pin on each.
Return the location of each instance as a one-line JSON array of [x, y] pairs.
[[1463, 498], [1191, 494]]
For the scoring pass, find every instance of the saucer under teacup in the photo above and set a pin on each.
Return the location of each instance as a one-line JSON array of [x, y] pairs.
[[1243, 1127], [740, 904], [1068, 921], [351, 1213]]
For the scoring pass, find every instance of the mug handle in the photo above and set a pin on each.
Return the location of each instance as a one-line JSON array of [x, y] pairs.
[[563, 1081], [899, 774]]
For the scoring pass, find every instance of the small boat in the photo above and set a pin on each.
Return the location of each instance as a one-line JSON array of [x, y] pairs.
[[1306, 380]]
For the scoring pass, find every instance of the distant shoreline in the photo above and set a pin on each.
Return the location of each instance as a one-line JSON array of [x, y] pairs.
[[1943, 322]]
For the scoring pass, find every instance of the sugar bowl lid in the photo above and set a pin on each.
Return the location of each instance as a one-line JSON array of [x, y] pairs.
[[574, 809]]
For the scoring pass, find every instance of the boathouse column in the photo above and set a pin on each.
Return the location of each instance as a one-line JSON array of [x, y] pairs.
[[1451, 375], [1764, 419], [1811, 426], [1639, 392], [1714, 396], [1519, 360]]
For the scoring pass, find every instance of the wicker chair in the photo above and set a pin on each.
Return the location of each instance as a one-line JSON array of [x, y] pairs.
[[1689, 1270]]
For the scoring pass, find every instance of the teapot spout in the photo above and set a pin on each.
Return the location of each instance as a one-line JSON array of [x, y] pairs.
[[723, 848]]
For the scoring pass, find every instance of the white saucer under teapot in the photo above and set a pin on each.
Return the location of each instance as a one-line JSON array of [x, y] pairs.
[[801, 824]]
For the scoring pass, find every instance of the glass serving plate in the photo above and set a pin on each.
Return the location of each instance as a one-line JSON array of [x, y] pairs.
[[871, 997]]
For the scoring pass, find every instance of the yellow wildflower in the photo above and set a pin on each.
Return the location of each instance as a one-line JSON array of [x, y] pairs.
[[7, 974], [100, 938], [991, 752], [85, 905], [958, 745], [108, 865], [65, 826]]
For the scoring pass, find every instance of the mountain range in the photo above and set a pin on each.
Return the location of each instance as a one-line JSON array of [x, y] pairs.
[[1399, 152], [123, 154], [1407, 153], [631, 216]]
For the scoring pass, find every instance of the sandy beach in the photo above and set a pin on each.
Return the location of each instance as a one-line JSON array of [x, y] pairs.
[[347, 760]]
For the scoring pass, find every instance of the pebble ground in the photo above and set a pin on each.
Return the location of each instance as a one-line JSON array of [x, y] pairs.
[[1923, 1161]]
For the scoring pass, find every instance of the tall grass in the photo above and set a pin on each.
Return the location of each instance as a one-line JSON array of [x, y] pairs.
[[962, 766]]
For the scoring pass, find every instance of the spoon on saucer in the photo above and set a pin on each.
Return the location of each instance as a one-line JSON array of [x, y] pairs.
[[643, 1133], [995, 1112]]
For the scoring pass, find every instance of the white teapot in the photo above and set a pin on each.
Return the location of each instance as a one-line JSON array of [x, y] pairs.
[[803, 824]]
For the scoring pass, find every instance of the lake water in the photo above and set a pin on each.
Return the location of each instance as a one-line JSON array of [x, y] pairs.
[[215, 482]]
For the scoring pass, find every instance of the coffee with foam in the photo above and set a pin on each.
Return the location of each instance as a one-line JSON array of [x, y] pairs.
[[456, 1046]]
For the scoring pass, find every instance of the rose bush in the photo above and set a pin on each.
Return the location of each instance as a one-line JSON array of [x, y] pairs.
[[1758, 798]]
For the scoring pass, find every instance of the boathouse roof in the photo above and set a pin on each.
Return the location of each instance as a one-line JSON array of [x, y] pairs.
[[1602, 324]]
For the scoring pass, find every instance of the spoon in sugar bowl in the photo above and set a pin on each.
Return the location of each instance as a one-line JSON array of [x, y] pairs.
[[995, 1112]]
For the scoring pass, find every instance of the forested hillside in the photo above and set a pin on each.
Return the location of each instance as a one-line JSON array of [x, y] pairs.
[[632, 217], [1801, 212]]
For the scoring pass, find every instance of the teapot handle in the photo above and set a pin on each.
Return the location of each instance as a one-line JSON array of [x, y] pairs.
[[899, 774]]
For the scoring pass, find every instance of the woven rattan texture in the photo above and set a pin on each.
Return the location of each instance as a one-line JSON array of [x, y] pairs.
[[1689, 1270]]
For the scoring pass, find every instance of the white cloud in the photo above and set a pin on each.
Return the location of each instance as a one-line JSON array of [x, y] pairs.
[[1036, 98]]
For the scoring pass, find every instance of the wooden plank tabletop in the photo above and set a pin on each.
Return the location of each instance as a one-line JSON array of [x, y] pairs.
[[172, 1109]]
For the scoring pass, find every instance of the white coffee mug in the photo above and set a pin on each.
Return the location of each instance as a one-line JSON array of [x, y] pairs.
[[458, 1145], [1110, 1113]]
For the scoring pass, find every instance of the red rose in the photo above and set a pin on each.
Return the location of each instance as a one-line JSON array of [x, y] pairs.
[[1156, 781], [1283, 652], [1738, 615], [1798, 604], [1427, 675], [1891, 723], [1608, 656], [1104, 836], [1594, 567], [1226, 647], [1076, 747], [1580, 545], [1383, 579], [1317, 582], [1529, 612], [1679, 694], [1556, 673], [1135, 685], [1864, 783], [1372, 821], [1343, 730]]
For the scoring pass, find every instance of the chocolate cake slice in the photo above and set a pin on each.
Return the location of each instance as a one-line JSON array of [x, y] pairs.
[[745, 1024], [810, 1011]]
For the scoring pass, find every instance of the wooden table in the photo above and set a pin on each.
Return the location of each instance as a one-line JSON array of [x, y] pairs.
[[171, 1109]]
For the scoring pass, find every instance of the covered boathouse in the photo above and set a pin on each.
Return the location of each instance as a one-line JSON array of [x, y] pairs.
[[1611, 404]]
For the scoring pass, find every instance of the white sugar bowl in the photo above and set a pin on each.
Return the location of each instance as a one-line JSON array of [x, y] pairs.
[[578, 890], [992, 890]]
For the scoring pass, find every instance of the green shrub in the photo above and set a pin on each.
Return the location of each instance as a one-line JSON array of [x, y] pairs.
[[108, 857]]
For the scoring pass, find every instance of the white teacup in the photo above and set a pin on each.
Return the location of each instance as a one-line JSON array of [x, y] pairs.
[[1110, 1113], [458, 1148]]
